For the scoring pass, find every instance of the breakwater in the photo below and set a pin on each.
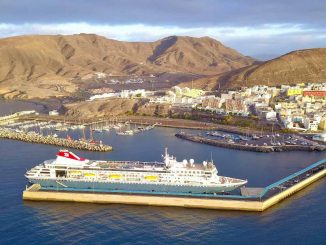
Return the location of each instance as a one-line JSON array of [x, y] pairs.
[[256, 148], [50, 140]]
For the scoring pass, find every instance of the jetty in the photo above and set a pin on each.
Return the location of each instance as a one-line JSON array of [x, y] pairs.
[[51, 140], [251, 199], [256, 148]]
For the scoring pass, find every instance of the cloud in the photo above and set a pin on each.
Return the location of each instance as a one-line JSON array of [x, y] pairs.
[[254, 41], [185, 13], [251, 26]]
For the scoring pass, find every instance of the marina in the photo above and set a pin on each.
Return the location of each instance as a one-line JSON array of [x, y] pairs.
[[45, 129], [135, 130], [251, 199], [257, 145], [47, 125]]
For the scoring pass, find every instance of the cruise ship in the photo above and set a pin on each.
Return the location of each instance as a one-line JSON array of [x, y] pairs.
[[68, 171]]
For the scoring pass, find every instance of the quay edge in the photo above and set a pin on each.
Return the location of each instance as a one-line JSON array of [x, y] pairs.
[[145, 200], [292, 190]]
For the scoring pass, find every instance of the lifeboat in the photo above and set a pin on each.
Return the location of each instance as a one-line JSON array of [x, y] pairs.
[[115, 176], [89, 174], [151, 178]]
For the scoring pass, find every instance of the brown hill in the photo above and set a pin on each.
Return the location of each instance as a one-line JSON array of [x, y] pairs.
[[87, 109], [296, 67], [43, 66]]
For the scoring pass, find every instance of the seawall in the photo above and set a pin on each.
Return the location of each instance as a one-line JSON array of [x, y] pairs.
[[50, 140]]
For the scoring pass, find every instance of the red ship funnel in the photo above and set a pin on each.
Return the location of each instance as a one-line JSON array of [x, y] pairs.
[[65, 156]]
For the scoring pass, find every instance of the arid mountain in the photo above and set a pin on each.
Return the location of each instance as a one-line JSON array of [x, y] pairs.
[[296, 67], [43, 66], [196, 55], [87, 109]]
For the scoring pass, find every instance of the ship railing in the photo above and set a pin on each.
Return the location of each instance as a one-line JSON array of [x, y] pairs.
[[135, 163], [49, 161]]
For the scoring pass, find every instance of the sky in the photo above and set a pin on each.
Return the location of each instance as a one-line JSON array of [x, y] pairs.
[[262, 29]]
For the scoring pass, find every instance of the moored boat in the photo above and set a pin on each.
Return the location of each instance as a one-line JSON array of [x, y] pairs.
[[70, 171]]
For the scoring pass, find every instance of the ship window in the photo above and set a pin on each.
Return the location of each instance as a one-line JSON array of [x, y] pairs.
[[60, 173]]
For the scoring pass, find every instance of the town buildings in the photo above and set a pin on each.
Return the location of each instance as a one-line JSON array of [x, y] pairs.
[[298, 107]]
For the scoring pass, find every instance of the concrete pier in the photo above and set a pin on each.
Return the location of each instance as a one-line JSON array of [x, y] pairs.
[[262, 200]]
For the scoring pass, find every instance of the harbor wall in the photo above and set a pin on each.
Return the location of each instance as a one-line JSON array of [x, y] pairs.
[[292, 190], [186, 202], [50, 140]]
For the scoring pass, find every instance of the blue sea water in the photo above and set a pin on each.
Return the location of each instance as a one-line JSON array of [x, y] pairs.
[[300, 219], [12, 106]]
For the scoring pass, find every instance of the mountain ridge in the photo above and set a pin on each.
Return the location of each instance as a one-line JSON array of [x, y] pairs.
[[299, 66], [50, 62]]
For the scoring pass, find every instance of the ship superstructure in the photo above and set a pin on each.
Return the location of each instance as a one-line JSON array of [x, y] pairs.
[[72, 172]]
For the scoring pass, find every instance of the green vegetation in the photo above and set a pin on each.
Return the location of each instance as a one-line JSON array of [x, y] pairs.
[[145, 114], [238, 121], [287, 131], [129, 113]]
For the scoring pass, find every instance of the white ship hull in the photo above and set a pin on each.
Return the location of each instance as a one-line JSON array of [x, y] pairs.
[[141, 187]]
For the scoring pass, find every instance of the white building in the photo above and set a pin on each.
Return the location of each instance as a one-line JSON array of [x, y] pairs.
[[53, 113], [140, 93], [271, 115], [226, 96], [100, 75], [103, 96], [310, 124]]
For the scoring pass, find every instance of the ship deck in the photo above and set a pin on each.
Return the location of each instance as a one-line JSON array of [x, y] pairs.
[[133, 165], [128, 165]]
